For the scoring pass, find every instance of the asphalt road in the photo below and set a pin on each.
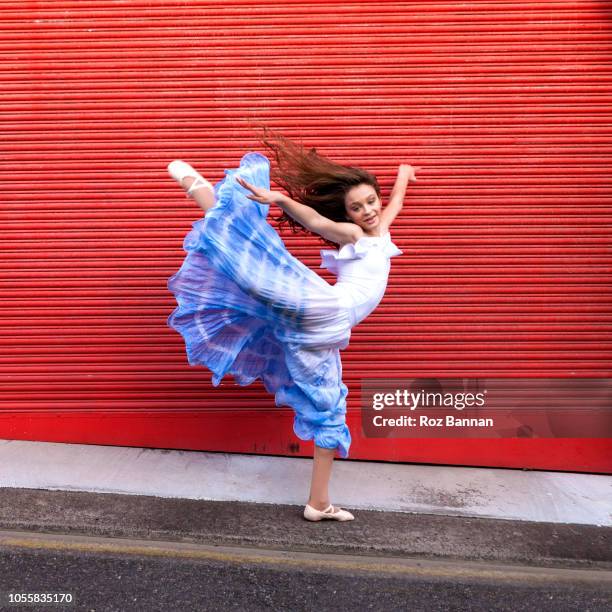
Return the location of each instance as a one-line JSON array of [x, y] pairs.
[[122, 574]]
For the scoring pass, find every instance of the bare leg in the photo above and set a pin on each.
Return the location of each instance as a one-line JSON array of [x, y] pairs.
[[321, 472], [203, 195]]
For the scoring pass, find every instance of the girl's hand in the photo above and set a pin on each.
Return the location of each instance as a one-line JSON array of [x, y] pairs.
[[261, 195], [410, 170]]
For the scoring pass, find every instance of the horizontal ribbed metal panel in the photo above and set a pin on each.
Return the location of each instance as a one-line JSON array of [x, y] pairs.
[[505, 106]]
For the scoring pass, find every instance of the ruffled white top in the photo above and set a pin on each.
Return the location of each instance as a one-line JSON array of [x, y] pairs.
[[362, 271]]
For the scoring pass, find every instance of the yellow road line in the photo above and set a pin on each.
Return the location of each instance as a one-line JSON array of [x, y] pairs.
[[409, 566]]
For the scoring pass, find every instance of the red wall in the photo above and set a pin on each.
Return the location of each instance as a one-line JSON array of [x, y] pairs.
[[506, 107]]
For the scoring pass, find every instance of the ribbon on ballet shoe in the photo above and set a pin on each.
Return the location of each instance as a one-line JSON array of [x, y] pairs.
[[197, 183]]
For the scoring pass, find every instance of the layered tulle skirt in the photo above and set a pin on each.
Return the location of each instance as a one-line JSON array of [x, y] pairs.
[[249, 308]]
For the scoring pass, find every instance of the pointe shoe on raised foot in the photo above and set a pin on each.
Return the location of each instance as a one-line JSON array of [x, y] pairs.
[[331, 512], [179, 170]]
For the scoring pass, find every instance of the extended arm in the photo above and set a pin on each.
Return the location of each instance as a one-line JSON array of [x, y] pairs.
[[396, 199], [305, 215], [314, 222]]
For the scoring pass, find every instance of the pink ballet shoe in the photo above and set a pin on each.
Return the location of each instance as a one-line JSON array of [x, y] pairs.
[[335, 513], [179, 170]]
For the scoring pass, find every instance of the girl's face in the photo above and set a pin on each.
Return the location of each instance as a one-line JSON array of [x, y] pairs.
[[363, 207]]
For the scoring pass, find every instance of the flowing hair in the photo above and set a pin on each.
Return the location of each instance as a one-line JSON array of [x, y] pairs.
[[312, 179]]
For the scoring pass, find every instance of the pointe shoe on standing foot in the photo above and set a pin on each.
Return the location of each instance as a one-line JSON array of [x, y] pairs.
[[331, 512], [179, 170]]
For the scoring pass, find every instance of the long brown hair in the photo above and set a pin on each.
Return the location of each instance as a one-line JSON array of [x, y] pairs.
[[312, 179]]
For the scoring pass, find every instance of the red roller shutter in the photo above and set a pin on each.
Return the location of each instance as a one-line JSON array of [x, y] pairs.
[[506, 107]]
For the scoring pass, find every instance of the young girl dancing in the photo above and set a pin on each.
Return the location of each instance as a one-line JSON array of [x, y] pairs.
[[248, 307]]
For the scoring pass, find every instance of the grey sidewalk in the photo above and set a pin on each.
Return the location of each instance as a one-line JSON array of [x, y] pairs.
[[507, 494]]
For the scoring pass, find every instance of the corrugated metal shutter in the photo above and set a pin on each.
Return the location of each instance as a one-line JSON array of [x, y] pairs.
[[504, 105]]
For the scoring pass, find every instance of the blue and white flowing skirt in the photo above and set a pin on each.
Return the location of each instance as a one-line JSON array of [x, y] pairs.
[[249, 308]]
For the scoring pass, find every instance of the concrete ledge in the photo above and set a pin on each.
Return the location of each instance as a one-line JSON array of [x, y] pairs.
[[282, 527]]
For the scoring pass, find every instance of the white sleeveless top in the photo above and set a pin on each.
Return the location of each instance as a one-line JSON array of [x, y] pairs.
[[362, 270]]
